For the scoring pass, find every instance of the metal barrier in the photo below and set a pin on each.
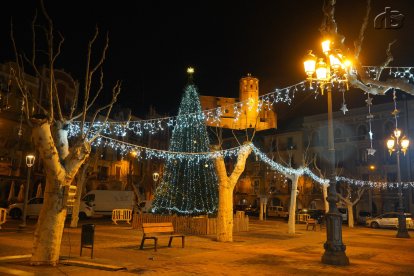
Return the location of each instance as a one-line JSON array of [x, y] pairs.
[[302, 217], [122, 215], [87, 237], [3, 215]]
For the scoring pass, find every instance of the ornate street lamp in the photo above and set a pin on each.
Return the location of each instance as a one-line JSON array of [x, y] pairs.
[[331, 69], [30, 159], [155, 177], [396, 144]]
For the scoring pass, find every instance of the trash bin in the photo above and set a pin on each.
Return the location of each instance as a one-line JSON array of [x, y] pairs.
[[87, 237]]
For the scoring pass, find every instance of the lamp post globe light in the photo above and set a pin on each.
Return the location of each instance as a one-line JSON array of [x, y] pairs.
[[325, 72], [30, 159], [155, 177], [398, 143]]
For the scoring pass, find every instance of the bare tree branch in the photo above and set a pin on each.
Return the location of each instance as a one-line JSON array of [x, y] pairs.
[[358, 43], [115, 92]]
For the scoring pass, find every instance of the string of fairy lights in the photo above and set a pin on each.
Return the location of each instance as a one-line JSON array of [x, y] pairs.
[[213, 116], [142, 152]]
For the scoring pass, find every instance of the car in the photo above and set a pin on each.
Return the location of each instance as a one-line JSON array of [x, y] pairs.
[[363, 216], [252, 210], [277, 211], [344, 213], [388, 220], [34, 206]]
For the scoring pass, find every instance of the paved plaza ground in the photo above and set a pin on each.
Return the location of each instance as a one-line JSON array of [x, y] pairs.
[[266, 249]]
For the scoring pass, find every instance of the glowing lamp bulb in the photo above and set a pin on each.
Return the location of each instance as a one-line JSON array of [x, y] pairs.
[[397, 133], [390, 144], [321, 70], [405, 143], [326, 46], [310, 63]]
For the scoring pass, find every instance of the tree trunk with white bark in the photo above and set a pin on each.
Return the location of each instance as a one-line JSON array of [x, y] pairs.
[[226, 187], [79, 191], [59, 175], [292, 207], [350, 215]]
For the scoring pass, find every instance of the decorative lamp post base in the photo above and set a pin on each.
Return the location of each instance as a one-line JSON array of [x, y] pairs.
[[402, 228], [403, 234], [334, 248]]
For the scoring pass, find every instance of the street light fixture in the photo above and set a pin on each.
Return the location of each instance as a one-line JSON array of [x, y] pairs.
[[155, 177], [330, 70], [397, 144], [30, 159]]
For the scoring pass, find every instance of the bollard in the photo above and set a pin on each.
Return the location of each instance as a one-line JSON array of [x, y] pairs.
[[87, 237]]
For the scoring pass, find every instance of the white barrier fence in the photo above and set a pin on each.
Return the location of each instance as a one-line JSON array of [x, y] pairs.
[[122, 215], [3, 215]]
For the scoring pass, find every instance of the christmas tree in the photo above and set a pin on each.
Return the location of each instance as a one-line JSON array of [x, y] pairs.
[[188, 186]]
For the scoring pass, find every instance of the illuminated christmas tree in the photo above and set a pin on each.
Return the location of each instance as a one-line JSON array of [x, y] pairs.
[[188, 186]]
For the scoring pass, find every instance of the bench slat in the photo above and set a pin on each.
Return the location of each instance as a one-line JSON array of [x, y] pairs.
[[167, 229], [149, 224]]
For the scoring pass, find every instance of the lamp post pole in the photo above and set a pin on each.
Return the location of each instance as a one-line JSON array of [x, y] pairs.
[[333, 70], [334, 248], [29, 162], [402, 231]]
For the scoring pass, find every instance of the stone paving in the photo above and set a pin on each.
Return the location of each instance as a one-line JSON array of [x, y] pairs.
[[266, 249]]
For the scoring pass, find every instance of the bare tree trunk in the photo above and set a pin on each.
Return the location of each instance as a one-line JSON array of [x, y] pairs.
[[325, 196], [76, 206], [226, 187], [49, 228], [225, 214], [292, 207], [349, 205], [261, 210]]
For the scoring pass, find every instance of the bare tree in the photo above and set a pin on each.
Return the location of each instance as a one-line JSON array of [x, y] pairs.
[[350, 199], [360, 78], [61, 159], [226, 187]]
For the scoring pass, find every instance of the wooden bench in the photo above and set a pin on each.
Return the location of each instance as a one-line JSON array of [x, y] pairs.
[[154, 230], [311, 222]]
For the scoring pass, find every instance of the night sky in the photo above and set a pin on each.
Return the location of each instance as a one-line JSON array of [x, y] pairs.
[[153, 42]]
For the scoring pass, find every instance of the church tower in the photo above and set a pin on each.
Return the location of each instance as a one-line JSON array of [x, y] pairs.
[[249, 95]]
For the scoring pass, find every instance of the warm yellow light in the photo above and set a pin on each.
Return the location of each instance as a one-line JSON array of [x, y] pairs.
[[30, 159], [405, 143], [321, 70], [326, 46], [134, 153], [190, 70], [347, 63], [310, 63], [335, 62], [390, 144], [372, 167], [397, 133]]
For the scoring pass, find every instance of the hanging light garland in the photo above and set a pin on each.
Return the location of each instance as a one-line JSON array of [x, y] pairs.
[[371, 150], [211, 116], [306, 171], [395, 72], [125, 148]]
